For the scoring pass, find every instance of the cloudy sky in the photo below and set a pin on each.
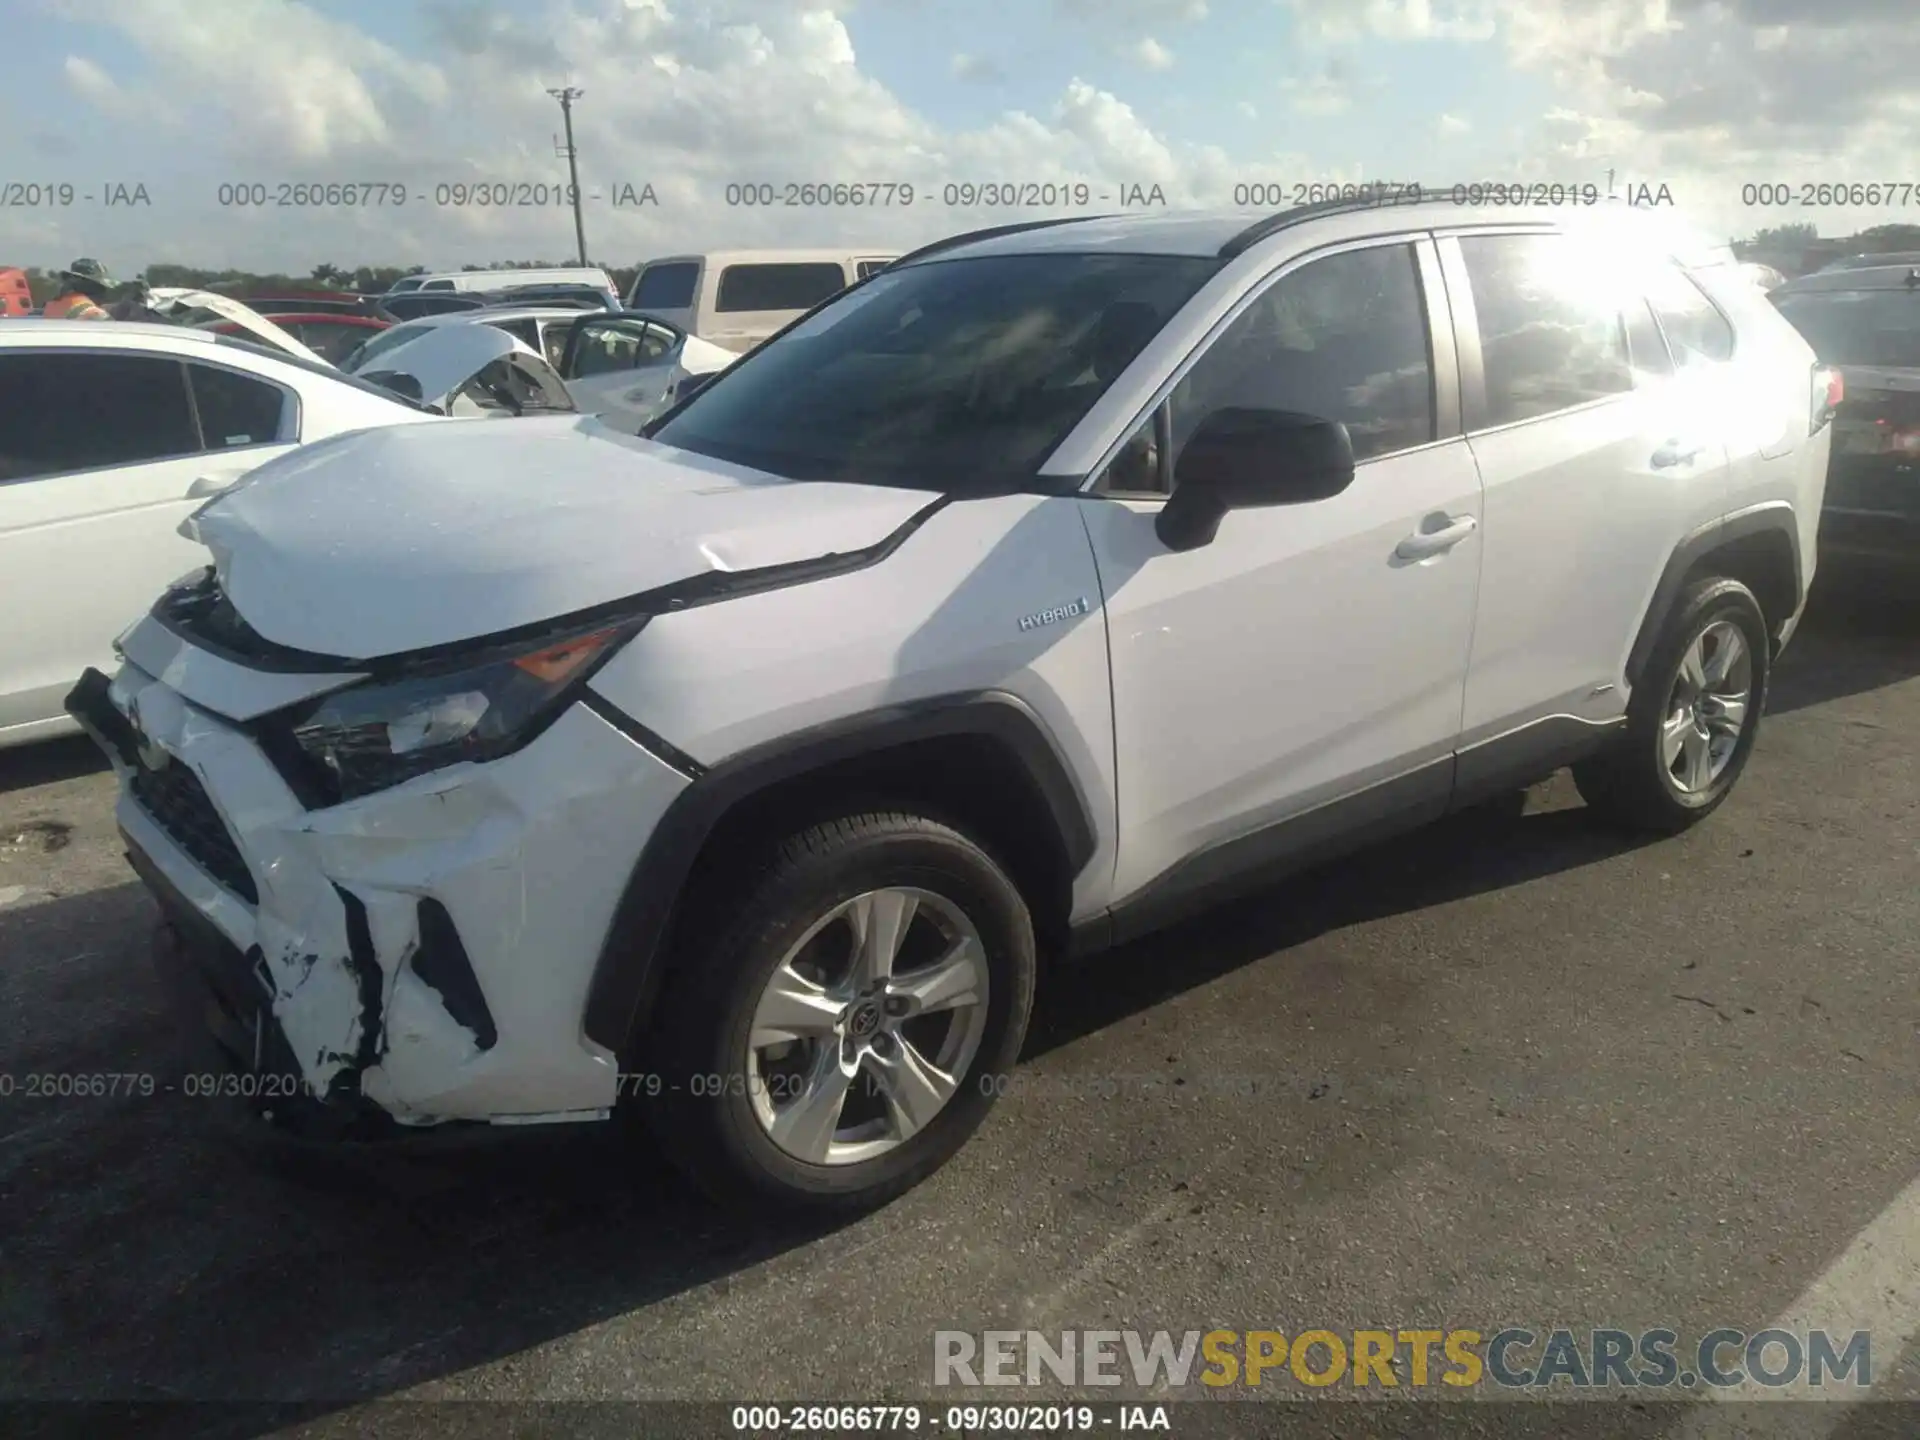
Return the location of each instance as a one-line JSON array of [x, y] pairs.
[[1195, 97]]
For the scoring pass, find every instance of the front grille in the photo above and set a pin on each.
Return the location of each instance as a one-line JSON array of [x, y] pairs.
[[179, 804]]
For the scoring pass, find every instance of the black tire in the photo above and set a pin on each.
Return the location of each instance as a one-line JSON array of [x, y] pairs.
[[1629, 784], [696, 1039]]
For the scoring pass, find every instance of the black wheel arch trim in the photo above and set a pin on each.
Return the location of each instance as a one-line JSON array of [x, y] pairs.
[[626, 977], [1769, 516]]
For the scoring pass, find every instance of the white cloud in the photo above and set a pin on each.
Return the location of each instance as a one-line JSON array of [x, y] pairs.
[[1450, 125], [975, 67], [93, 84], [1152, 54], [1129, 14], [1398, 19], [1330, 92]]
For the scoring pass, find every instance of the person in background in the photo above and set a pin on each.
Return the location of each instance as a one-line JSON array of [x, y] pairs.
[[83, 285]]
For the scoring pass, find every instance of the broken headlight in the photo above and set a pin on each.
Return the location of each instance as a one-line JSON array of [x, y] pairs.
[[382, 732]]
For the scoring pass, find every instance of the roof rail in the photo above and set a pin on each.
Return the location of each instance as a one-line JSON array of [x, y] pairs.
[[1372, 198], [992, 232], [1376, 197]]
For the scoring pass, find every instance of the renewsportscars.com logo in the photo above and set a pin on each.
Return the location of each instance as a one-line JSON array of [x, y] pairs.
[[1512, 1359]]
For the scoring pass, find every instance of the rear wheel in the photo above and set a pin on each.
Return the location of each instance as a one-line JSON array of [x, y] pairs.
[[833, 1026], [1693, 718]]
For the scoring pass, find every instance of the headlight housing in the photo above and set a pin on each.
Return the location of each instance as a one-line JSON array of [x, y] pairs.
[[379, 733]]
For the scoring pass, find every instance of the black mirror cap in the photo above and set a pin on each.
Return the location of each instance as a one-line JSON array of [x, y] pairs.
[[1241, 459], [692, 384]]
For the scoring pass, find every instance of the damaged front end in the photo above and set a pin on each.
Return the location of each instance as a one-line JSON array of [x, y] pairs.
[[349, 864]]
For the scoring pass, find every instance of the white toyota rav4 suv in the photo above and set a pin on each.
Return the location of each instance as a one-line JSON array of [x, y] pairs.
[[1048, 584]]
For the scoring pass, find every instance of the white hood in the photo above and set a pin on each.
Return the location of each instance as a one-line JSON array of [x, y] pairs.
[[180, 304], [399, 538]]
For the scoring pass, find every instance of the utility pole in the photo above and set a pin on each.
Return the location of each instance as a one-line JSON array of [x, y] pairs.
[[566, 97]]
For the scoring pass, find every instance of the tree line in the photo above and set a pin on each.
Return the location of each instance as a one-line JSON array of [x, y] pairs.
[[360, 279]]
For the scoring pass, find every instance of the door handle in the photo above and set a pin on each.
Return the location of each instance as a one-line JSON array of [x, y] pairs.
[[206, 485], [1670, 454], [1423, 544]]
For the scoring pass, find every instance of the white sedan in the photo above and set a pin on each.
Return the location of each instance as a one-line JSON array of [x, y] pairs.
[[112, 433], [623, 367]]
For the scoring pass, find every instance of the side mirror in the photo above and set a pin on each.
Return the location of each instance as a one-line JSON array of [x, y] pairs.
[[692, 384], [1243, 459]]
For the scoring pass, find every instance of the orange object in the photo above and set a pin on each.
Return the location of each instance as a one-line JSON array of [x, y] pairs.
[[16, 296], [73, 307]]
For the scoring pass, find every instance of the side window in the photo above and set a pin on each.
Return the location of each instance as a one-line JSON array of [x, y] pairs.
[[438, 285], [618, 345], [84, 410], [786, 286], [871, 267], [1697, 333], [1645, 347], [665, 287], [1344, 338], [1551, 335], [554, 338], [525, 331], [236, 409]]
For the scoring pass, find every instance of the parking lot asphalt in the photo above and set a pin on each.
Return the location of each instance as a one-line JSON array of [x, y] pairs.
[[1510, 1071]]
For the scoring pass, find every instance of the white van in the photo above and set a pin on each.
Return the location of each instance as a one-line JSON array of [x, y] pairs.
[[499, 279], [737, 298]]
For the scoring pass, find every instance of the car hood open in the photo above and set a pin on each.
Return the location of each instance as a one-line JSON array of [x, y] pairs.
[[437, 366], [410, 537], [190, 307]]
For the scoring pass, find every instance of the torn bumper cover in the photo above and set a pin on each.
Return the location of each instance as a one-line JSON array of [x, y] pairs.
[[366, 965]]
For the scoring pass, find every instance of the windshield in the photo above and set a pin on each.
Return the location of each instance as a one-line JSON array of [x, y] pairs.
[[1858, 327], [950, 375], [386, 340]]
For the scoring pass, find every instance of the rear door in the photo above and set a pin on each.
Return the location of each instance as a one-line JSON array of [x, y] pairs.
[[106, 453], [750, 300], [1596, 459], [621, 367]]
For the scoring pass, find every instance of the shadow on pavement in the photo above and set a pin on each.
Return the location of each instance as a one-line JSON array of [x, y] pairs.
[[1861, 632], [47, 761]]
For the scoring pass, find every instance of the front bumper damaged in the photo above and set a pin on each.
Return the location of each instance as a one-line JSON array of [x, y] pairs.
[[400, 962]]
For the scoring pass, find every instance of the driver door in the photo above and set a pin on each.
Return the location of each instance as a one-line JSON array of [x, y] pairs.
[[1300, 677]]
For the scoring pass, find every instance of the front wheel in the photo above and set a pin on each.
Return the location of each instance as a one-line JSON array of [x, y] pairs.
[[834, 1026], [1693, 718]]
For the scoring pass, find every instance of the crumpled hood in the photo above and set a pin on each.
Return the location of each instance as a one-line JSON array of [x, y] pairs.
[[400, 538]]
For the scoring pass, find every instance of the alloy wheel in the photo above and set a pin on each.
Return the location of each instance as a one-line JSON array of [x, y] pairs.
[[1708, 709], [867, 1026]]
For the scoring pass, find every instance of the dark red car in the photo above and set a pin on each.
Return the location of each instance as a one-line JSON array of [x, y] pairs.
[[331, 337]]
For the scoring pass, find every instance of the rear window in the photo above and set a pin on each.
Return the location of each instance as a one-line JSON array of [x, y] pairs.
[[665, 287], [778, 287], [1857, 327]]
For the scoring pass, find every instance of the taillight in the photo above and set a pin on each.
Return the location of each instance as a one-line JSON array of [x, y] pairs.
[[1829, 389]]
